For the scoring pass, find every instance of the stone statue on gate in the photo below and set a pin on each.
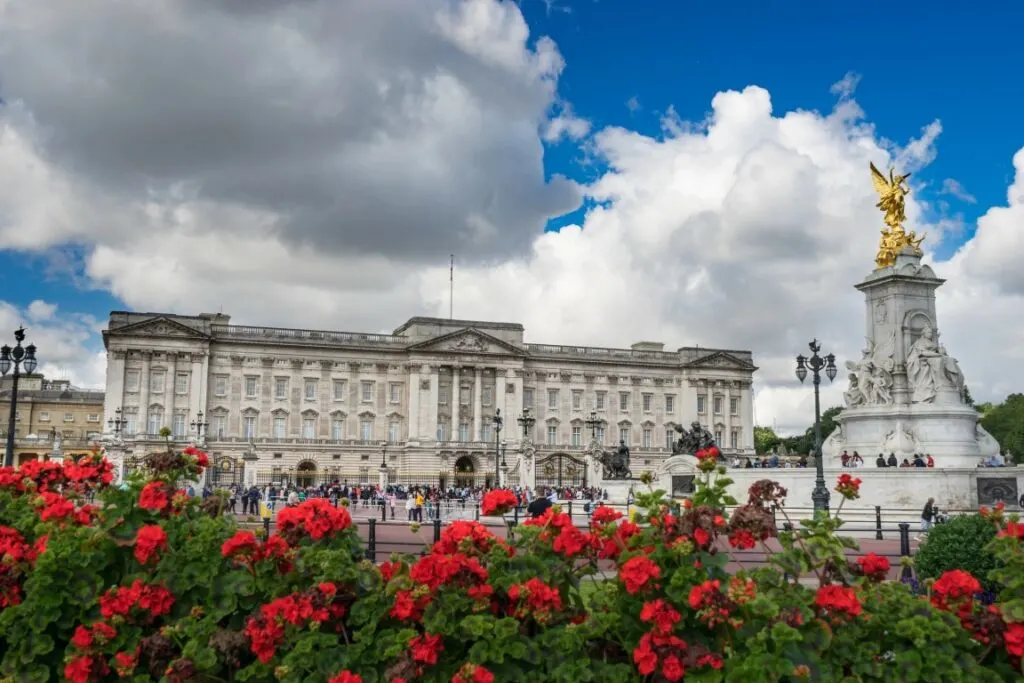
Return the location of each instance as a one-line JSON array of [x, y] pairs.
[[697, 438], [616, 465]]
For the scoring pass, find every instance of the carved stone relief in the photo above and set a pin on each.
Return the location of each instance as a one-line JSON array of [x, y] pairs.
[[466, 342], [992, 490]]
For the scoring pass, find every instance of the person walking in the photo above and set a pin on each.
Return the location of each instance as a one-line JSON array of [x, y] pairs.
[[927, 515]]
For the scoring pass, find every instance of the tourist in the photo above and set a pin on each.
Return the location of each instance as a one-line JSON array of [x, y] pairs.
[[410, 505], [880, 462], [930, 462], [927, 515], [892, 460], [845, 458]]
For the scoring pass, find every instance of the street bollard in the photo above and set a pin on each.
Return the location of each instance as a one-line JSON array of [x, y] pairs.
[[906, 573], [437, 530], [371, 540], [878, 522]]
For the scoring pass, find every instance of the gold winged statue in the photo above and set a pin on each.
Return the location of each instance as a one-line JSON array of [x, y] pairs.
[[892, 192]]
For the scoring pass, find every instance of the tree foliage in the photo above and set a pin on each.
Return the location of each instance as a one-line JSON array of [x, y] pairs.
[[1005, 422]]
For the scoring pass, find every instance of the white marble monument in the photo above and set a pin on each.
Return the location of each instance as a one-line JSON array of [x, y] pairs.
[[906, 393]]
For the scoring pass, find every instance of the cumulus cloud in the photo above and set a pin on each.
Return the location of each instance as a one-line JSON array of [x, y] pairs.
[[66, 344], [314, 164]]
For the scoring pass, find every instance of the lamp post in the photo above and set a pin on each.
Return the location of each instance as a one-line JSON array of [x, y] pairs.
[[199, 425], [117, 423], [383, 455], [526, 421], [18, 357], [498, 422], [593, 422], [816, 364]]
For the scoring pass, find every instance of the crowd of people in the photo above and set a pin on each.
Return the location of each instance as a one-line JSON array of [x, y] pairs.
[[918, 460], [419, 502]]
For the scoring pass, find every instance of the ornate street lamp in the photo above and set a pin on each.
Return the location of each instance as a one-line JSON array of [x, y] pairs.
[[498, 422], [383, 455], [117, 423], [199, 425], [526, 421], [816, 364], [18, 357], [593, 422]]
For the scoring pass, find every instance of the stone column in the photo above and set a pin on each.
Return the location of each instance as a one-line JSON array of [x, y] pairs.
[[147, 357], [477, 404], [455, 404], [430, 428], [114, 396], [170, 382], [414, 433], [326, 390], [196, 387], [499, 402]]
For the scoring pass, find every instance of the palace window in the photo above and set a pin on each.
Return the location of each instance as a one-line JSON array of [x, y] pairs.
[[488, 395], [577, 436], [280, 426], [309, 389], [734, 406], [281, 388], [366, 430], [395, 392], [464, 394], [442, 395], [220, 385], [599, 400], [44, 416], [463, 431], [156, 421], [367, 389], [485, 432], [718, 405], [648, 402], [527, 398], [670, 403], [251, 385], [394, 432], [338, 429], [181, 383], [339, 389], [577, 399], [442, 431], [734, 439], [69, 417], [131, 380], [702, 404], [156, 381], [647, 437], [670, 438], [624, 435], [249, 426], [178, 425], [623, 401], [599, 434], [552, 435], [552, 399], [718, 436]]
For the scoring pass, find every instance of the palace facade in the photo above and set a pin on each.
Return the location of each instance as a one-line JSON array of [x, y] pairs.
[[414, 406]]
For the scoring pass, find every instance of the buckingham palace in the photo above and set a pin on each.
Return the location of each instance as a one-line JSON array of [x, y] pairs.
[[438, 401]]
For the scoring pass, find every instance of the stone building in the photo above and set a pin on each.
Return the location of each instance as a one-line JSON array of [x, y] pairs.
[[415, 406], [52, 417]]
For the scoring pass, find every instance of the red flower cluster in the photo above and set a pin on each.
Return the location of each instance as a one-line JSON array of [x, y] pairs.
[[267, 630], [85, 668], [244, 549], [56, 507], [534, 599], [46, 475], [498, 502], [346, 677], [713, 607], [661, 614], [838, 601], [89, 471], [16, 559], [638, 573], [155, 497], [150, 540], [873, 566], [155, 600], [426, 648], [315, 518], [195, 460], [954, 591], [673, 654], [471, 673], [466, 537], [848, 486], [707, 458], [567, 540]]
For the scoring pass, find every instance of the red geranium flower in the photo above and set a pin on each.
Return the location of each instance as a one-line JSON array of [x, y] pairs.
[[661, 614], [315, 518], [848, 487], [838, 600], [471, 673], [426, 648], [874, 566], [154, 497], [150, 539], [346, 677], [497, 502], [638, 573]]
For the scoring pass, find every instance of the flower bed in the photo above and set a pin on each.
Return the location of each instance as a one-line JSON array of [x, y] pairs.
[[149, 584]]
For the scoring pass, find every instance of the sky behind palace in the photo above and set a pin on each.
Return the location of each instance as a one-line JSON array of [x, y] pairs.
[[605, 171]]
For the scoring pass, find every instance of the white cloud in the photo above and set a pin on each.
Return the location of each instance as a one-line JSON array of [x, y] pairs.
[[954, 188], [297, 205], [66, 344]]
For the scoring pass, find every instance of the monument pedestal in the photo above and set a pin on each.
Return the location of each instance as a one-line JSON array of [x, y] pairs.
[[906, 393]]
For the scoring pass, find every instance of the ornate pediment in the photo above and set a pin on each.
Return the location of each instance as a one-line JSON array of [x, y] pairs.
[[159, 326], [722, 360], [468, 341]]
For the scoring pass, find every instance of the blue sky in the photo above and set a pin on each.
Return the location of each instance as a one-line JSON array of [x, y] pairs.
[[917, 61]]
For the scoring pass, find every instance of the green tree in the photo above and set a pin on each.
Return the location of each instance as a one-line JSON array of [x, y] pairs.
[[1005, 422], [765, 440], [805, 443]]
